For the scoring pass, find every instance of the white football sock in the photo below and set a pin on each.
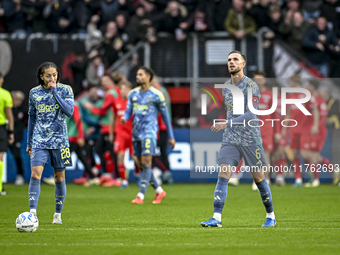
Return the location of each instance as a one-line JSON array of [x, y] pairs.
[[271, 215], [217, 216], [159, 190], [140, 195]]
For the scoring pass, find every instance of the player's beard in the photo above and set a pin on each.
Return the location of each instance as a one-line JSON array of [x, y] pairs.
[[235, 71], [139, 83]]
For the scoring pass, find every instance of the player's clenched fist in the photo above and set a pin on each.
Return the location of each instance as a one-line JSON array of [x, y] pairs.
[[172, 143], [29, 150], [122, 120], [52, 84]]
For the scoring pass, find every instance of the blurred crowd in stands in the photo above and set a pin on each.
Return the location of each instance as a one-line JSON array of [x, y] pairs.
[[311, 27]]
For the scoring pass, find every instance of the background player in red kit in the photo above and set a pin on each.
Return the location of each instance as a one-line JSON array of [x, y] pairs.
[[103, 144], [307, 126], [279, 155], [317, 141], [267, 131], [123, 138]]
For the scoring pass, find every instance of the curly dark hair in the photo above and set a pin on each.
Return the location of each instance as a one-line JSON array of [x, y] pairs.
[[43, 67]]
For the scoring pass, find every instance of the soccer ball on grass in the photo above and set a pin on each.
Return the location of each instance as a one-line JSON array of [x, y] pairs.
[[27, 222]]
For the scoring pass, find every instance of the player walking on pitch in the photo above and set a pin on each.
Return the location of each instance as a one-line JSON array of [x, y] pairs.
[[49, 104], [144, 102], [240, 141]]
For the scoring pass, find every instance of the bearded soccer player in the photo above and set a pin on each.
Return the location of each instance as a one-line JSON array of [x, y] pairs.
[[144, 102], [240, 140], [49, 105]]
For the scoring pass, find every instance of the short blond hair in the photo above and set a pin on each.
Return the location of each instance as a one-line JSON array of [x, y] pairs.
[[18, 94], [117, 77], [127, 84]]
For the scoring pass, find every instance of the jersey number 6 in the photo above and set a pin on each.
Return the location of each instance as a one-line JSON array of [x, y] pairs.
[[258, 153]]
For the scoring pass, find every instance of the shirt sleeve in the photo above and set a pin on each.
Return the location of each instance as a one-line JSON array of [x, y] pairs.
[[79, 123], [256, 94], [312, 103], [30, 128], [86, 118], [31, 105], [240, 120], [9, 101], [108, 102], [114, 109], [128, 111], [248, 115], [31, 119], [161, 105], [66, 103]]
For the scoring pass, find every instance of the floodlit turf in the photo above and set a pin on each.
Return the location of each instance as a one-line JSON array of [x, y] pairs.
[[99, 220]]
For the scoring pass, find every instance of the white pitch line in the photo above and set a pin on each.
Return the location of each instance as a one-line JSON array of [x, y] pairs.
[[172, 229], [129, 244]]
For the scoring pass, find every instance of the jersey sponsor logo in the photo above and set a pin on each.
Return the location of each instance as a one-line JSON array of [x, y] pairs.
[[67, 162], [140, 107], [41, 108], [259, 162], [147, 151], [47, 108], [134, 99], [38, 98]]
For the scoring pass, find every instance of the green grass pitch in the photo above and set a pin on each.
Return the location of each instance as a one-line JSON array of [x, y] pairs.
[[99, 220]]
